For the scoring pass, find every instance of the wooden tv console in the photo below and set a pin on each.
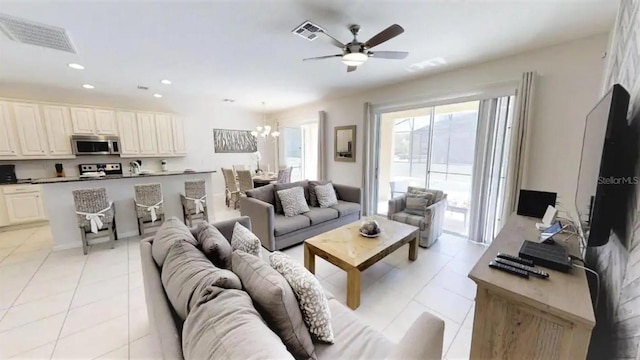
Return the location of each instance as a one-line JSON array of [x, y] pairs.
[[533, 318]]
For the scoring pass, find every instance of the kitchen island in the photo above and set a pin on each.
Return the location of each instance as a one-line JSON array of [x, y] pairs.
[[58, 201]]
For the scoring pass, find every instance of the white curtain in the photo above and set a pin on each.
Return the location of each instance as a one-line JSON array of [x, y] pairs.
[[322, 146], [368, 162], [520, 130]]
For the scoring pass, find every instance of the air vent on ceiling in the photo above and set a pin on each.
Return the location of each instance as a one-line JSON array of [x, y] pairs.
[[141, 87], [33, 33], [307, 30]]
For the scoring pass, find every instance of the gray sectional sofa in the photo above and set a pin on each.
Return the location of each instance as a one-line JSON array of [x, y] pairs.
[[223, 324], [277, 231]]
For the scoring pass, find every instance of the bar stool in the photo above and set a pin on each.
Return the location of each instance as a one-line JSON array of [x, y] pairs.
[[149, 205], [96, 216], [194, 201]]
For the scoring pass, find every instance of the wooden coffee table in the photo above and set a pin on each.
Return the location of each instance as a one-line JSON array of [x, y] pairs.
[[345, 248]]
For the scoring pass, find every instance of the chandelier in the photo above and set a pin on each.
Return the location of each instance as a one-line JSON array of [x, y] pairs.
[[264, 131]]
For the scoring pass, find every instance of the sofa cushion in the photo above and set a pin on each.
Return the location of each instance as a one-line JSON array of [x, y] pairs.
[[229, 327], [326, 195], [406, 218], [437, 194], [263, 193], [313, 198], [346, 208], [310, 294], [214, 245], [293, 201], [353, 338], [417, 202], [187, 273], [318, 215], [284, 225], [171, 231], [244, 240], [279, 186], [275, 301]]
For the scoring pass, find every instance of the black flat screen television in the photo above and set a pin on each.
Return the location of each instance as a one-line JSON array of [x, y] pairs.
[[604, 174]]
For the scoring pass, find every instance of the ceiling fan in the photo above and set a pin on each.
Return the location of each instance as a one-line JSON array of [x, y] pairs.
[[356, 53]]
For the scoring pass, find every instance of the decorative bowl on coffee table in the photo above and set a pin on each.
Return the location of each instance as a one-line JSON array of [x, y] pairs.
[[370, 229]]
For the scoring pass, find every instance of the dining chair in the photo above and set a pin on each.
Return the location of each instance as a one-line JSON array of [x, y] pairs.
[[232, 194], [239, 167], [245, 180], [284, 176]]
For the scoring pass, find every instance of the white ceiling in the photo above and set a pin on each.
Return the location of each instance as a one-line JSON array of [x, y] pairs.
[[245, 50]]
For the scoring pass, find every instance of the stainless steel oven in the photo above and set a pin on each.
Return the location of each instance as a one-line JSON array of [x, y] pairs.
[[95, 145]]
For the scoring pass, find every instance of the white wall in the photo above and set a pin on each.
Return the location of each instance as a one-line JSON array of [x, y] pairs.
[[201, 117], [568, 87]]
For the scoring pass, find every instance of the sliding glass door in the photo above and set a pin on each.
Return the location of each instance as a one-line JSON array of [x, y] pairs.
[[300, 150]]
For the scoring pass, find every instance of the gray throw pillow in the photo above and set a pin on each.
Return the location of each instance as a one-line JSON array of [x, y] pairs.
[[313, 198], [326, 195], [311, 296], [229, 327], [417, 202], [280, 186], [187, 274], [276, 302], [171, 231], [293, 201], [214, 245], [244, 240]]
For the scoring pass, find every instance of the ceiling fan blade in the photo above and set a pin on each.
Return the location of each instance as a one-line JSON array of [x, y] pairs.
[[388, 54], [384, 35], [333, 40], [351, 68], [323, 57]]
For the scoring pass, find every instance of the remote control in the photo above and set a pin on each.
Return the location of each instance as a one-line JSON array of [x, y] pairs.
[[509, 269], [516, 259], [530, 269]]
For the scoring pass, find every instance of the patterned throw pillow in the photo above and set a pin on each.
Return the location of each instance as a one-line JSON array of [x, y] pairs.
[[311, 297], [293, 201], [417, 202], [244, 240], [326, 195]]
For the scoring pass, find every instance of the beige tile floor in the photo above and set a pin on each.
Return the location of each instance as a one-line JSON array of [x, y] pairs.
[[65, 305]]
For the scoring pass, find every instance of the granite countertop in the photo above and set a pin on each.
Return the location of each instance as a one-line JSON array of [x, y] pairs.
[[116, 177]]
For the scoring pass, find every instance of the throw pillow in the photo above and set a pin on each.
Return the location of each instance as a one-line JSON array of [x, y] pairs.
[[313, 198], [244, 240], [417, 202], [276, 302], [187, 274], [293, 201], [171, 231], [214, 245], [326, 195], [280, 186], [311, 297]]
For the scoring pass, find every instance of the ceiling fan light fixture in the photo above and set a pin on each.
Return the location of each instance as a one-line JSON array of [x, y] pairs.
[[354, 59]]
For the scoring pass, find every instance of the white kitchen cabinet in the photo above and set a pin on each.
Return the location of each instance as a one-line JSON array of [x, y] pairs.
[[105, 121], [179, 143], [128, 130], [82, 120], [164, 129], [31, 133], [147, 134], [57, 123], [24, 204], [8, 146]]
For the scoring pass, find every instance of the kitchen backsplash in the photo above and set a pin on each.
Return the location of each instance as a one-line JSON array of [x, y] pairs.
[[38, 169]]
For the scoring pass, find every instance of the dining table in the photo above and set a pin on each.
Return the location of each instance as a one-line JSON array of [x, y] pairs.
[[264, 179]]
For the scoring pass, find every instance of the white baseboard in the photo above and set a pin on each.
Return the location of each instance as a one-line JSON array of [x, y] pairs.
[[122, 236]]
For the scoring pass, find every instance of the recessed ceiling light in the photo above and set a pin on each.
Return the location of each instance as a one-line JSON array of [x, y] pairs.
[[166, 82], [88, 86], [76, 66], [156, 95]]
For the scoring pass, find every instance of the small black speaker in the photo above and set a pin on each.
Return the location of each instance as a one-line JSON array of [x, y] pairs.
[[535, 203]]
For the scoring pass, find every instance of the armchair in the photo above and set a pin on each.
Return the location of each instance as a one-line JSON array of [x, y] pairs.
[[431, 224]]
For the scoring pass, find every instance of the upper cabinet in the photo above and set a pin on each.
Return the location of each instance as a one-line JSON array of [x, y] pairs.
[[82, 121], [8, 145], [147, 134], [57, 123], [179, 144], [128, 129], [105, 122], [30, 130], [164, 128]]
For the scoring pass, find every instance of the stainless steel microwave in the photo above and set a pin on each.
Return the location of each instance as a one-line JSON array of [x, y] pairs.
[[95, 145]]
